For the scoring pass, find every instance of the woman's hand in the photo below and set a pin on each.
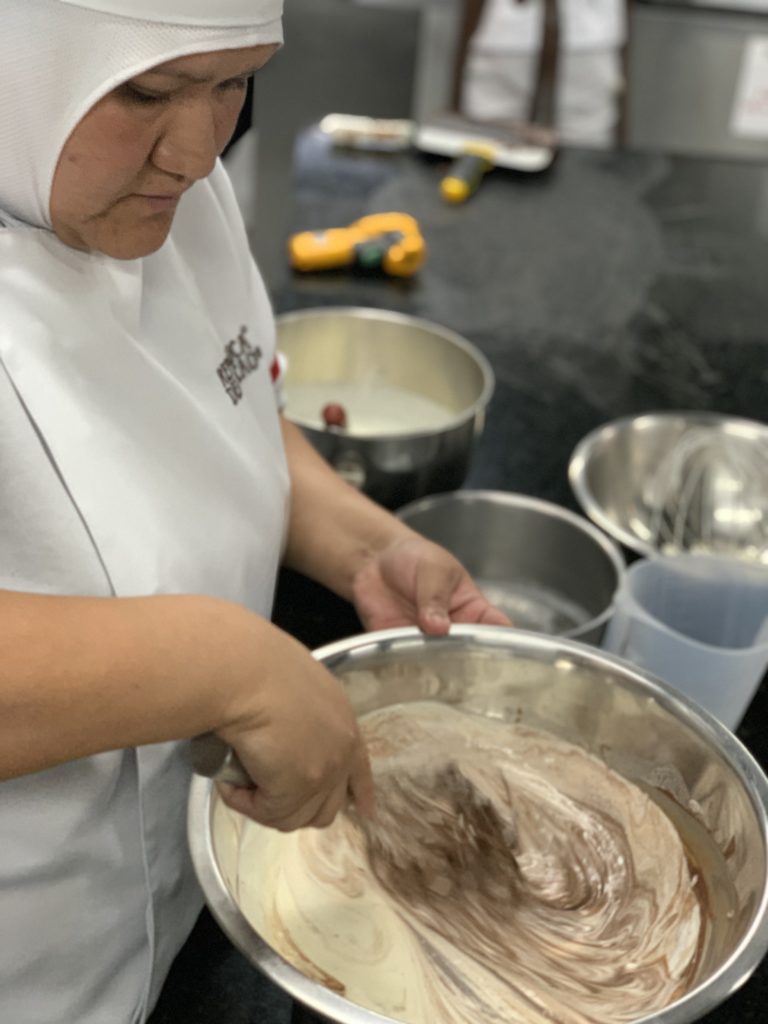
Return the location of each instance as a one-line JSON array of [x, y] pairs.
[[80, 676], [412, 581], [392, 575], [298, 739]]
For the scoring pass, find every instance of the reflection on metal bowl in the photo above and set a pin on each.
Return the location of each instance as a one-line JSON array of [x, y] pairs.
[[677, 481], [548, 569], [415, 395], [692, 766]]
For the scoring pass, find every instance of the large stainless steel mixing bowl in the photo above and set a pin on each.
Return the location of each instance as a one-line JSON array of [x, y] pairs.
[[634, 723], [373, 349], [550, 570], [615, 474]]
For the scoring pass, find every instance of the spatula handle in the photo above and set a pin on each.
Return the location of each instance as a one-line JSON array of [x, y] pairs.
[[215, 759]]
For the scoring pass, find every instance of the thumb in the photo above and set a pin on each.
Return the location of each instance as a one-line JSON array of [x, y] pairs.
[[435, 586]]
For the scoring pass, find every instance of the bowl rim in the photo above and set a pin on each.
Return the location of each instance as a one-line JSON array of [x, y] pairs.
[[405, 319], [732, 974], [578, 465], [549, 508]]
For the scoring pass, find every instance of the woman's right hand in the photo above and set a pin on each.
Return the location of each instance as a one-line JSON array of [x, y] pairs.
[[295, 734], [81, 676]]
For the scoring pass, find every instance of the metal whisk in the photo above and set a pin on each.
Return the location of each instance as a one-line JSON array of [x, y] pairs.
[[710, 494]]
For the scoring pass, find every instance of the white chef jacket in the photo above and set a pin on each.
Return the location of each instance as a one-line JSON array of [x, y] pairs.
[[509, 27], [502, 63], [140, 453]]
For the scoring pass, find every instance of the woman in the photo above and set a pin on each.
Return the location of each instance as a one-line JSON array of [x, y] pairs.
[[149, 491]]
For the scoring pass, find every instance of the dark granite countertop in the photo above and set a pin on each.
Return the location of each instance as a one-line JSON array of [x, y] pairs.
[[615, 283]]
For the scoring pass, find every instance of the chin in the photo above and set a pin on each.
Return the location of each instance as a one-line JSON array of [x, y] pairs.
[[133, 242], [130, 249]]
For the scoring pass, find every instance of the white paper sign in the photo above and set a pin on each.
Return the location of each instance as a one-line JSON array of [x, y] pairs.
[[750, 108]]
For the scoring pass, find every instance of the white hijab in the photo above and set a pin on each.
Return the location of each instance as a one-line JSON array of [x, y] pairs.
[[60, 57]]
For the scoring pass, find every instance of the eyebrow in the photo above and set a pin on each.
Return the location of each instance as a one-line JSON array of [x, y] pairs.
[[199, 79]]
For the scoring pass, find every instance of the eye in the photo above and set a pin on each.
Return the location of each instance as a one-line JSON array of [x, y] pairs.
[[132, 94], [235, 84]]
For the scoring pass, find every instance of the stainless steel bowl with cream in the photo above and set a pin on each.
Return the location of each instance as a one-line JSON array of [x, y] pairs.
[[414, 393], [640, 838]]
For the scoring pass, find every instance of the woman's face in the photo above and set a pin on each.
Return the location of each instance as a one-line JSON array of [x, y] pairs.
[[126, 165]]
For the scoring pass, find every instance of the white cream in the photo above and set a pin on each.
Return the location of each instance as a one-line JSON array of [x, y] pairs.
[[371, 411]]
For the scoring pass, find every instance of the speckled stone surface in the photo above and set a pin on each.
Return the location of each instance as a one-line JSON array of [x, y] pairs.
[[611, 285]]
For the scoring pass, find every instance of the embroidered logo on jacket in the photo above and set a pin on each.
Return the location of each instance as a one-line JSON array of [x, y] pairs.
[[242, 360]]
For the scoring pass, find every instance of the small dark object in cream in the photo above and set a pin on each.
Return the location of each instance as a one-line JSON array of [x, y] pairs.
[[335, 415]]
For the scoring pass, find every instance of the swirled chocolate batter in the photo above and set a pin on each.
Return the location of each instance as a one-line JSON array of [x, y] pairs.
[[589, 916]]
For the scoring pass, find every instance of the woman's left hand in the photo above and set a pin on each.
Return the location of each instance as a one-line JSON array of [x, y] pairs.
[[415, 582]]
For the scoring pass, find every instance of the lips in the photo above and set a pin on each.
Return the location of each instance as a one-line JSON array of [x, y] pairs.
[[161, 202]]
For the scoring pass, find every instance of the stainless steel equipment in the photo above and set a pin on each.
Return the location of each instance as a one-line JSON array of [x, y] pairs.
[[371, 348], [635, 724], [548, 569], [622, 481], [742, 6], [710, 494], [686, 62]]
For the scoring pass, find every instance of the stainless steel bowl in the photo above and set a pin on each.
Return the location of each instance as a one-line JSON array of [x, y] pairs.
[[614, 473], [548, 569], [634, 723], [370, 349]]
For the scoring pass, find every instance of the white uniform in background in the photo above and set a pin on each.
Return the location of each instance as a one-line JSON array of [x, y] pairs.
[[140, 453], [502, 62]]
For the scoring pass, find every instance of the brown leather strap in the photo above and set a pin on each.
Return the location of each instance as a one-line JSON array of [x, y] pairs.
[[543, 109], [473, 11], [623, 104]]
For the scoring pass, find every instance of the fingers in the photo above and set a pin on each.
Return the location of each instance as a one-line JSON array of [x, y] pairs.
[[495, 617], [315, 808], [360, 785], [438, 586], [417, 582], [445, 593], [273, 812], [436, 582], [333, 805], [236, 797]]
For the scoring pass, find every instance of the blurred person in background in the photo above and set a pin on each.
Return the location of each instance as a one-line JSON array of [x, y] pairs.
[[502, 48]]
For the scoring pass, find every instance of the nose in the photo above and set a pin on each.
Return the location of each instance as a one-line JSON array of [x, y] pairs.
[[188, 147]]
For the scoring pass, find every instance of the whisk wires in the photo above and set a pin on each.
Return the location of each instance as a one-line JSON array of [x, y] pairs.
[[710, 494]]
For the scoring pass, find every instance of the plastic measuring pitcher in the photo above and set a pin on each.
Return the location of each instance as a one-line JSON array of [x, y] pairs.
[[700, 623]]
